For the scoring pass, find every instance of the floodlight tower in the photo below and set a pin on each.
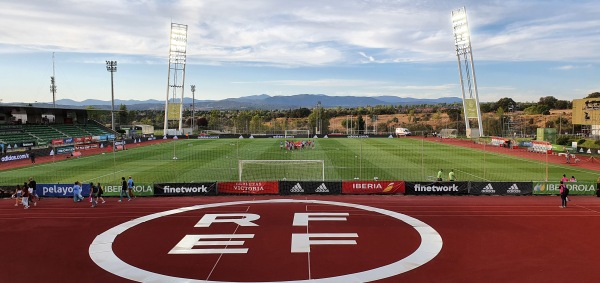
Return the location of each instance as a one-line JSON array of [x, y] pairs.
[[466, 71], [176, 76], [111, 66], [193, 106], [53, 84]]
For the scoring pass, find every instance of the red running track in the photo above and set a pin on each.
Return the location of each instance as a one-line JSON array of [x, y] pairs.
[[485, 239]]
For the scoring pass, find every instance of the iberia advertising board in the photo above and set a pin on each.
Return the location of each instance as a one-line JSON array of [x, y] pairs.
[[145, 190], [373, 187], [248, 188], [575, 188]]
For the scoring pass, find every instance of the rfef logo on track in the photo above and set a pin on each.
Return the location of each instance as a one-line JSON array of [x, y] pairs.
[[276, 240]]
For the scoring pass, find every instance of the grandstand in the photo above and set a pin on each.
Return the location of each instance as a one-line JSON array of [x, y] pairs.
[[29, 126]]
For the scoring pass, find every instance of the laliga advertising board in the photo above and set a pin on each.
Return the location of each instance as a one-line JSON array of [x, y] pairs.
[[272, 240]]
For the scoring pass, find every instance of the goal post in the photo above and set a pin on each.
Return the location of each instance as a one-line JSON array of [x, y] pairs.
[[297, 134], [297, 170]]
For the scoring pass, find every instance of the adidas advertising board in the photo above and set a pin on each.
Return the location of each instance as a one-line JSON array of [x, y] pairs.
[[139, 190], [373, 187], [185, 189], [436, 188], [575, 188], [300, 188], [248, 188], [501, 188], [60, 190]]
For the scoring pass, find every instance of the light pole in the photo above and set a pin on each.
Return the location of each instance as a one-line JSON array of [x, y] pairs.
[[111, 66], [193, 106]]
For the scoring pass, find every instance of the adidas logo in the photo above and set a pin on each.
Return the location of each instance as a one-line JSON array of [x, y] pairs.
[[514, 189], [488, 189], [322, 189], [297, 188]]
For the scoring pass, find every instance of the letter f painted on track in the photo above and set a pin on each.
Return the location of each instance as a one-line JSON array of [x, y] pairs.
[[301, 242]]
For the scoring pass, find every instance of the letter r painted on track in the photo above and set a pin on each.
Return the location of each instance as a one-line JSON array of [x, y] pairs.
[[301, 242], [242, 219], [187, 244]]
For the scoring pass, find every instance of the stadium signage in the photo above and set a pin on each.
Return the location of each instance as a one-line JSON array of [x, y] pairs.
[[248, 188], [358, 136], [28, 143], [500, 188], [87, 146], [300, 187], [373, 187], [14, 157], [57, 141], [65, 150], [208, 137], [138, 190], [60, 190], [436, 188], [185, 189], [69, 140], [575, 188]]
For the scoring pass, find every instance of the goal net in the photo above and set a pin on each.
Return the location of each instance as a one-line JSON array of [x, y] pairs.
[[295, 170], [297, 134]]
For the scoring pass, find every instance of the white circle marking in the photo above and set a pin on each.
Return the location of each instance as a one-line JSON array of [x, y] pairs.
[[431, 244]]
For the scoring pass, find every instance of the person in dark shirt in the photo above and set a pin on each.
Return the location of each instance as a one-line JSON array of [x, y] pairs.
[[124, 190]]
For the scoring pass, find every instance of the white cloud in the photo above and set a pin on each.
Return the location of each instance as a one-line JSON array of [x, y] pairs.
[[303, 32]]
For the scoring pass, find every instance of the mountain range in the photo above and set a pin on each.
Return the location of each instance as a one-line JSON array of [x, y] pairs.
[[267, 102]]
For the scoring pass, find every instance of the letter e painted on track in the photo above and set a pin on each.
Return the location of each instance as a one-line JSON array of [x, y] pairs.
[[187, 244]]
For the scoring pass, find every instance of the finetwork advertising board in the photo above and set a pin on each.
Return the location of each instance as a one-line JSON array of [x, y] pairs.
[[437, 188], [185, 189]]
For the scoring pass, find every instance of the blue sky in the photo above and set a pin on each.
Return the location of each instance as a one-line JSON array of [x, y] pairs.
[[523, 49]]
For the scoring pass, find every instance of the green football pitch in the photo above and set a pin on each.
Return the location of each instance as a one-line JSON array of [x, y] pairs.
[[184, 161]]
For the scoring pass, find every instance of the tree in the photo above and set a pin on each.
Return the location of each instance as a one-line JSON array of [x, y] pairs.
[[549, 101], [360, 124], [123, 115], [593, 95], [505, 103]]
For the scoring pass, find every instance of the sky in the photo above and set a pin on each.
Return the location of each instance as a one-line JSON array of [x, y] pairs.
[[522, 49]]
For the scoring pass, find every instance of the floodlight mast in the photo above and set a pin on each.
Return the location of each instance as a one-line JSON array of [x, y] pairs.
[[193, 106], [53, 84], [466, 70], [111, 66], [176, 75]]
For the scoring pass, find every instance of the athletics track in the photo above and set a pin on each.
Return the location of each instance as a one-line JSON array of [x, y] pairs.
[[482, 239], [477, 239]]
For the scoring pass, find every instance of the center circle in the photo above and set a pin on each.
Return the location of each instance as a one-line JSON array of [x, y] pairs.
[[101, 249]]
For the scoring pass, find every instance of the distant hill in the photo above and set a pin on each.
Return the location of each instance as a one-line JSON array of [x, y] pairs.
[[268, 102]]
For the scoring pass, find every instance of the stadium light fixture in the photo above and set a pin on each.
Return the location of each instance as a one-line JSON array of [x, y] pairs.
[[193, 106], [111, 66]]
